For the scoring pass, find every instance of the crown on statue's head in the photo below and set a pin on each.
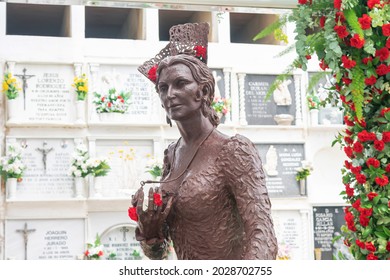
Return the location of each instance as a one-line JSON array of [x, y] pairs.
[[189, 38]]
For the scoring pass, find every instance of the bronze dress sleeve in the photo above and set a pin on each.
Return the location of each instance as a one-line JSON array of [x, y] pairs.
[[246, 180]]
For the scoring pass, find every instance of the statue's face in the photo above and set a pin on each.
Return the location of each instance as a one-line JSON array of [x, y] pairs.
[[179, 93]]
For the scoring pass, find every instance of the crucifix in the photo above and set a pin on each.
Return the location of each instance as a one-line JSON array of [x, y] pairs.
[[25, 233], [24, 78], [44, 152], [124, 230]]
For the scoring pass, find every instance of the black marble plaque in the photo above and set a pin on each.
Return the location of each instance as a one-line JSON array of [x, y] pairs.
[[260, 111], [327, 221], [280, 162]]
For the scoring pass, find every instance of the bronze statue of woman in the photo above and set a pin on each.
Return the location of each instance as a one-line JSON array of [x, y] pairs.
[[215, 203]]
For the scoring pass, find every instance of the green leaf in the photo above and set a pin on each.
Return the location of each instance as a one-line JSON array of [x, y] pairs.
[[380, 234], [366, 232], [271, 28], [386, 231]]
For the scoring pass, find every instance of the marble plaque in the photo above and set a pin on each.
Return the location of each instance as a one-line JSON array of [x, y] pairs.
[[128, 160], [280, 162], [121, 240], [288, 229], [47, 174], [260, 111], [61, 239], [327, 221], [47, 95], [145, 105]]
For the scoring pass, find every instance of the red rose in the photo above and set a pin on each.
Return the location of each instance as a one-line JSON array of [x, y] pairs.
[[132, 212], [200, 52], [361, 122], [308, 56], [341, 31], [109, 104], [360, 244], [349, 220], [382, 69], [371, 3], [323, 65], [370, 247], [356, 204], [388, 244], [371, 257], [365, 136], [347, 121], [302, 2], [322, 21], [388, 168], [152, 73], [346, 81], [100, 253], [357, 42], [157, 199], [370, 81], [366, 60], [373, 162], [364, 221], [348, 140], [348, 151], [388, 43], [386, 29], [383, 54], [386, 136], [337, 4], [367, 212], [340, 18], [361, 178], [347, 164], [379, 145], [371, 195], [382, 181], [348, 63], [348, 190], [358, 147], [356, 169], [365, 21]]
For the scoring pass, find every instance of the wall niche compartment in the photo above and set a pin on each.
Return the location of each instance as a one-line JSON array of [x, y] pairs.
[[113, 23], [38, 20]]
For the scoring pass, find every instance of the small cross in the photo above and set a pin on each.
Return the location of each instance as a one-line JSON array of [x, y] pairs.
[[124, 230], [25, 233]]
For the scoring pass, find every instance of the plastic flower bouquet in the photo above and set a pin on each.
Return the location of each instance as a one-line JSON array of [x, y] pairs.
[[221, 106], [313, 102], [81, 87], [99, 166], [94, 250], [112, 102], [11, 165], [154, 167], [10, 86], [80, 163]]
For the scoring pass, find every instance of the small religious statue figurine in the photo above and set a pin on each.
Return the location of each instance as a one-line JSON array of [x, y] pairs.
[[271, 162], [44, 152], [212, 201], [282, 96]]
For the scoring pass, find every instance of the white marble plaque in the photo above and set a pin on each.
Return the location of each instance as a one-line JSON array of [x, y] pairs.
[[47, 95], [121, 240], [47, 239], [128, 160], [145, 105], [288, 229], [47, 174]]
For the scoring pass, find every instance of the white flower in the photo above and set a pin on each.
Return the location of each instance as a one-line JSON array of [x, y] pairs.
[[77, 173]]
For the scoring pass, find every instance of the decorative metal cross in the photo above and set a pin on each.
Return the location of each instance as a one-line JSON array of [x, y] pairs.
[[24, 78], [44, 154], [25, 233], [124, 230]]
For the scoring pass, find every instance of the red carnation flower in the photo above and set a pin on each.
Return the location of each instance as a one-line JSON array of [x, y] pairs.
[[340, 18], [371, 257], [386, 136], [370, 81], [388, 43], [308, 56], [361, 178], [365, 21], [132, 212], [386, 29], [365, 136], [347, 164], [348, 151], [347, 121], [152, 73], [348, 63], [356, 169], [358, 147], [348, 140], [348, 190], [382, 69], [373, 162], [370, 247], [347, 81], [383, 54], [357, 42], [337, 4], [366, 60], [157, 199], [360, 244], [382, 181], [379, 145], [322, 21], [387, 168], [349, 219], [367, 212], [200, 52], [371, 3], [371, 195], [341, 31], [356, 204], [361, 122], [364, 220]]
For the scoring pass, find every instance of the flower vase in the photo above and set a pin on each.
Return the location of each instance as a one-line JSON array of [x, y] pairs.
[[110, 117], [79, 185], [302, 187], [11, 187], [314, 117], [97, 186], [80, 111], [12, 109]]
